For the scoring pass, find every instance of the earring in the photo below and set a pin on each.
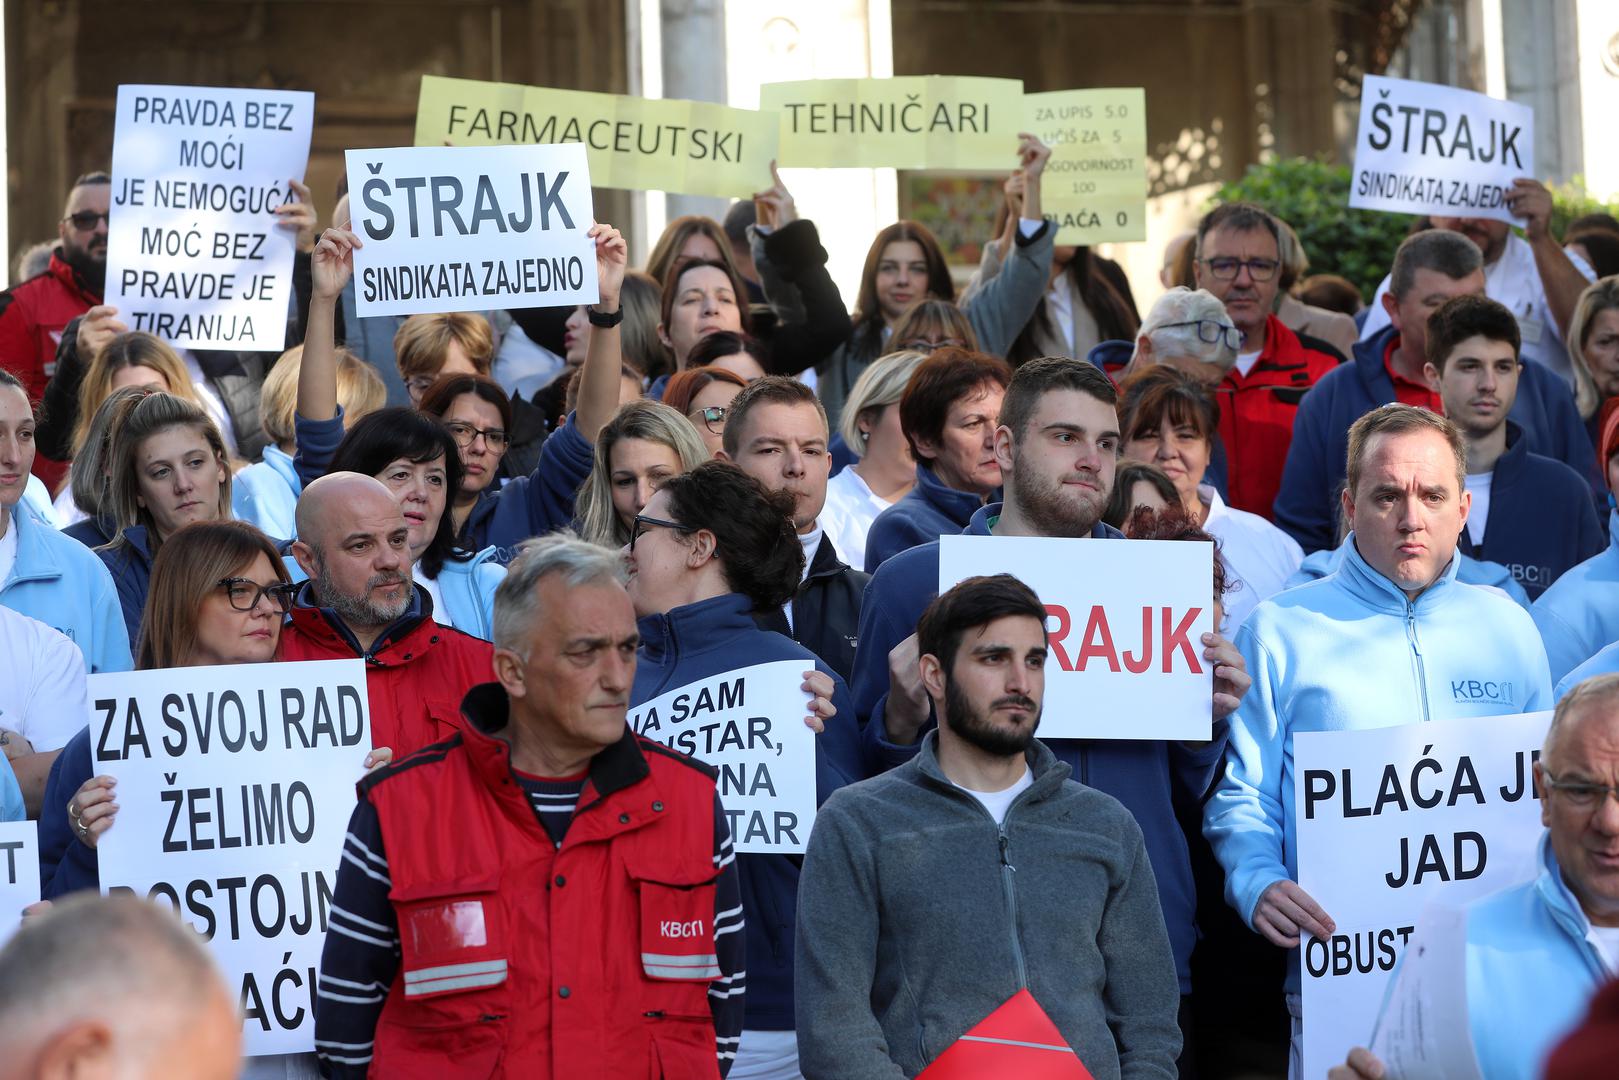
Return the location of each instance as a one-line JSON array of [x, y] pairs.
[[865, 436]]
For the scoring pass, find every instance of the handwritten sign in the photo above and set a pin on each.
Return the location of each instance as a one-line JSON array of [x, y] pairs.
[[1095, 186], [1124, 624], [235, 787], [471, 228], [1389, 820], [194, 251], [914, 122], [19, 873], [1428, 149], [643, 144], [748, 724]]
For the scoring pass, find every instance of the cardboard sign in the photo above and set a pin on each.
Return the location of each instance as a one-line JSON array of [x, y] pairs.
[[748, 724], [1388, 821], [19, 873], [1125, 625], [1095, 185], [1427, 149], [471, 229], [235, 787], [913, 122], [194, 251], [643, 144]]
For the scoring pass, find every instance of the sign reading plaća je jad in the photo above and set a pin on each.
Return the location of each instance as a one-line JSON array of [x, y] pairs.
[[1095, 186], [749, 725], [195, 253], [19, 872], [235, 788], [1124, 624], [1427, 149], [1390, 820], [472, 228]]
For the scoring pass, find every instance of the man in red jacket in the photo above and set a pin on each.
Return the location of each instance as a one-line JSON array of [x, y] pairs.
[[359, 602], [33, 314], [544, 894], [1239, 261]]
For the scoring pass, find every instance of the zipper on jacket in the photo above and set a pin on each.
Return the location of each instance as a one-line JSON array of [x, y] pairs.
[[1416, 651], [1009, 886]]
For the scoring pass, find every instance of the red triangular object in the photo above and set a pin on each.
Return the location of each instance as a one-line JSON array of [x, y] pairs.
[[1017, 1039]]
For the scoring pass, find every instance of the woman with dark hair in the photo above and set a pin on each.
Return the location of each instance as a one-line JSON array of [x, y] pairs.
[[687, 239], [703, 396], [478, 415], [712, 549], [705, 296], [1138, 485], [741, 354]]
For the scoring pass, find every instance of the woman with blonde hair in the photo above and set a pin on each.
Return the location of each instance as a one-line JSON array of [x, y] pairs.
[[885, 470], [1593, 346], [636, 453]]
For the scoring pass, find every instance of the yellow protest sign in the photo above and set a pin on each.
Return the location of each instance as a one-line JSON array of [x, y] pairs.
[[1095, 185], [686, 147], [911, 122]]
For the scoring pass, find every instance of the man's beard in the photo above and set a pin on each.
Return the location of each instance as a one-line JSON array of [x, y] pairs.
[[361, 610], [1051, 510], [974, 727], [92, 271]]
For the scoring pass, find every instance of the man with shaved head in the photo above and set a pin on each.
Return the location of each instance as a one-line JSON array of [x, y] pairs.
[[359, 602], [1538, 952], [114, 987]]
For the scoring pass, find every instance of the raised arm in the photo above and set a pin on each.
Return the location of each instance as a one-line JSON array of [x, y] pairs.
[[599, 379], [1003, 305], [331, 266]]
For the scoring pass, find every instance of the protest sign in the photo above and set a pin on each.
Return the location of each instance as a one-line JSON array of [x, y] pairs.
[[1095, 186], [471, 228], [1426, 1008], [912, 122], [748, 724], [1387, 821], [1427, 149], [235, 787], [19, 873], [194, 251], [643, 144], [1124, 623]]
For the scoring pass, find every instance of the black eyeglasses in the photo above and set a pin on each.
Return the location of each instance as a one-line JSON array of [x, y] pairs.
[[1225, 268], [923, 345], [1582, 795], [712, 417], [494, 438], [641, 521], [244, 593], [85, 220], [1211, 332]]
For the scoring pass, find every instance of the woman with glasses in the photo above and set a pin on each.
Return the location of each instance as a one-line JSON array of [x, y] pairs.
[[1170, 420], [645, 445], [703, 395], [711, 550], [932, 324], [478, 415]]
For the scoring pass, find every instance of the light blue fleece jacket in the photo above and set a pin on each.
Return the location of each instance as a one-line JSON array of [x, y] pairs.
[[467, 586], [1347, 653], [1469, 571], [266, 493], [1579, 615], [62, 583]]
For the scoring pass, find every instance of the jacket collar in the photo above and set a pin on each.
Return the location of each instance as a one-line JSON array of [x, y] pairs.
[[61, 271], [984, 519], [1510, 465], [138, 541], [280, 462], [1561, 904], [407, 637], [1049, 773], [826, 562], [1368, 361], [956, 505], [691, 628], [1365, 584], [35, 559]]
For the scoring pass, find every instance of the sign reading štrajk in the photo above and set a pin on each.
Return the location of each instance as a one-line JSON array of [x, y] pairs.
[[1388, 821], [1095, 185], [235, 788], [912, 122], [1427, 149], [19, 872], [748, 724], [642, 144], [194, 251], [1125, 626], [471, 228]]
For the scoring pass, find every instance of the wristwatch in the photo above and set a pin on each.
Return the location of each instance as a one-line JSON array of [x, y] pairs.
[[605, 319]]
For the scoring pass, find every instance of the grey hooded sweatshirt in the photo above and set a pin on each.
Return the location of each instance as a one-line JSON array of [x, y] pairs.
[[918, 916]]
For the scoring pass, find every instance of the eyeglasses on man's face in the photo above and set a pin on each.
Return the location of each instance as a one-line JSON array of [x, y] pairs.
[[244, 593], [1226, 268], [1581, 794], [1211, 332], [85, 220]]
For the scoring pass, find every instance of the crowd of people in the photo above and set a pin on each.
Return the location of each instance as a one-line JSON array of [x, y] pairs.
[[528, 523]]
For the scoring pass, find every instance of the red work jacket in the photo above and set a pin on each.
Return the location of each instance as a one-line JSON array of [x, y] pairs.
[[32, 317]]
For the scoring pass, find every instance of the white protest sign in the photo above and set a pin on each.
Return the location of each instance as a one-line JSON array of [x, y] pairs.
[[748, 724], [19, 873], [1389, 820], [194, 251], [1125, 624], [235, 787], [1428, 149], [471, 228]]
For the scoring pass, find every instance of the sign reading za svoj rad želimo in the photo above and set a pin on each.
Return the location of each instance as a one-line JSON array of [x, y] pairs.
[[1124, 627], [194, 251], [235, 788], [1427, 149], [471, 228]]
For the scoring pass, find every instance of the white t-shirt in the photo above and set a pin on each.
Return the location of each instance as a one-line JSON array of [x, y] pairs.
[[1247, 360], [42, 680], [1258, 557], [1479, 484], [1606, 941], [430, 587], [998, 802], [8, 547], [850, 509]]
